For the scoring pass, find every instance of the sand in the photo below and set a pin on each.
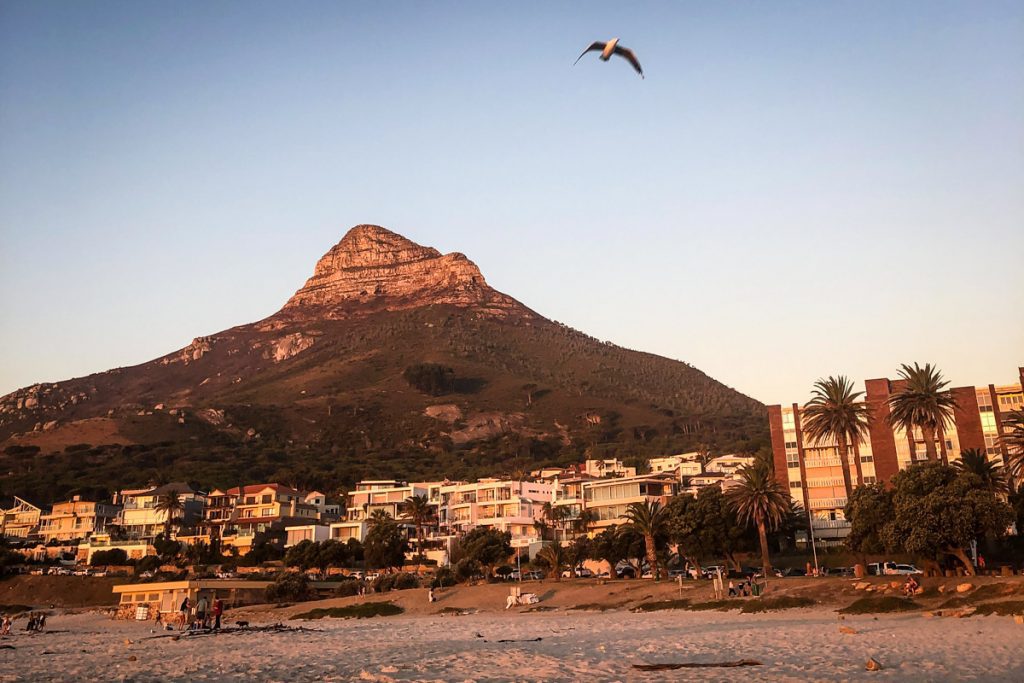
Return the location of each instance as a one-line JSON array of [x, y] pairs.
[[802, 644]]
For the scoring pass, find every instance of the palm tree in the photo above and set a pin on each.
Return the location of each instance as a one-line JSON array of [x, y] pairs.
[[648, 518], [835, 412], [554, 557], [974, 461], [923, 403], [378, 517], [760, 500], [1012, 439], [421, 513], [172, 507], [583, 521]]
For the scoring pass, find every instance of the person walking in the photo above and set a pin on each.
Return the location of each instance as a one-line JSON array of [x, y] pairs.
[[186, 605], [201, 606]]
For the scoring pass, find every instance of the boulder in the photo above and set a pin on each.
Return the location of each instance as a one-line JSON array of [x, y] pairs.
[[872, 665], [964, 587], [847, 630], [861, 585]]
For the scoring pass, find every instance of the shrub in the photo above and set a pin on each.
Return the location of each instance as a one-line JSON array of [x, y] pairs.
[[466, 569], [443, 578], [405, 581], [363, 610], [150, 563], [115, 556], [289, 587], [774, 604], [430, 378], [347, 589]]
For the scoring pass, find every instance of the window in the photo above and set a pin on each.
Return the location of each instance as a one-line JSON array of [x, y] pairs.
[[796, 484], [267, 512], [867, 458], [267, 498], [791, 444], [870, 480]]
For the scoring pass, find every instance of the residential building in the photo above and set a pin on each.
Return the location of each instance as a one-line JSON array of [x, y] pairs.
[[140, 518], [134, 548], [237, 515], [19, 519], [306, 532], [684, 464], [505, 505], [608, 499], [813, 474], [346, 530], [608, 468], [76, 519], [388, 495]]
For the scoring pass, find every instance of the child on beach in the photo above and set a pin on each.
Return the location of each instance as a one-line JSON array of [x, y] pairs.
[[218, 609]]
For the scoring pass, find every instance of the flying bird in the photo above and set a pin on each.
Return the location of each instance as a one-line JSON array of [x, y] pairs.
[[612, 48]]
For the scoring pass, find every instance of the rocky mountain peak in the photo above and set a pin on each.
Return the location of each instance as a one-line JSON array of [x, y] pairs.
[[373, 268]]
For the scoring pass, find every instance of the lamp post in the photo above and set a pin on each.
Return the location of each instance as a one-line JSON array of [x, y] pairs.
[[814, 545]]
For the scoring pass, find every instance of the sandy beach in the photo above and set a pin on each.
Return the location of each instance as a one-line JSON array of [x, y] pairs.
[[561, 645]]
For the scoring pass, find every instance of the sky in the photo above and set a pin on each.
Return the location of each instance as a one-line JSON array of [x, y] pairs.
[[797, 189]]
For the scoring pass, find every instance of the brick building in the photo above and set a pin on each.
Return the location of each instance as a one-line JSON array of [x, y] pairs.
[[812, 472]]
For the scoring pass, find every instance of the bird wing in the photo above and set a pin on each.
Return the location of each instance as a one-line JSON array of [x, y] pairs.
[[596, 45], [626, 53]]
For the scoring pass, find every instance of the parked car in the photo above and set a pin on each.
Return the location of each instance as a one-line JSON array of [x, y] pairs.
[[676, 573], [892, 568], [581, 572], [533, 576], [626, 573], [711, 571]]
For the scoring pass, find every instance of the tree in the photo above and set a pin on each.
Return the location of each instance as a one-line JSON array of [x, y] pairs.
[[486, 547], [609, 547], [430, 378], [553, 556], [868, 510], [1012, 440], [705, 526], [759, 500], [114, 556], [378, 517], [172, 507], [937, 509], [385, 545], [923, 403], [333, 553], [974, 461], [420, 512], [835, 412], [648, 518]]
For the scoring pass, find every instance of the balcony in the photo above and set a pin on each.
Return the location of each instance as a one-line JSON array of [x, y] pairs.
[[831, 524], [827, 503]]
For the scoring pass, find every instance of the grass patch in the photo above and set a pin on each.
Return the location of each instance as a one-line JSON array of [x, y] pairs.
[[879, 605], [661, 605], [363, 610], [1004, 609], [540, 608], [775, 604], [597, 606], [956, 601], [14, 609], [720, 605]]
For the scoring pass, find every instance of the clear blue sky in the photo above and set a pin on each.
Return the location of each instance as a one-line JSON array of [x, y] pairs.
[[796, 189]]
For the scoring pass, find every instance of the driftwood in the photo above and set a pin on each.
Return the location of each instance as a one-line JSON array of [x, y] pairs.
[[524, 640], [696, 665]]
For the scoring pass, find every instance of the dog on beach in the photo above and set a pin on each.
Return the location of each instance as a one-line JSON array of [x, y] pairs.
[[242, 624]]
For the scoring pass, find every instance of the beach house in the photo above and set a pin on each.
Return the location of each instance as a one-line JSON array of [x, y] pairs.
[[141, 518], [19, 519], [76, 519]]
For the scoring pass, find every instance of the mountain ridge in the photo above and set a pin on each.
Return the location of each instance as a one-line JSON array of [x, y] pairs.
[[326, 380]]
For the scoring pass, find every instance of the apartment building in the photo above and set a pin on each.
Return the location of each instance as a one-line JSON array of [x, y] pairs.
[[684, 464], [19, 519], [505, 505], [139, 517], [236, 515], [813, 474], [76, 519], [608, 499], [388, 495]]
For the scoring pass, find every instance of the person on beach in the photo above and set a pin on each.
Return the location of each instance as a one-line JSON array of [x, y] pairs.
[[218, 610], [5, 626], [185, 606], [910, 587], [201, 606], [732, 589], [430, 595]]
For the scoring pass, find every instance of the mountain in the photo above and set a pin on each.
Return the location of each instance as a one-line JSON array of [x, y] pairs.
[[393, 360]]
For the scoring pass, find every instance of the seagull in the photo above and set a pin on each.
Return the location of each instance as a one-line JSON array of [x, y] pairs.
[[612, 48]]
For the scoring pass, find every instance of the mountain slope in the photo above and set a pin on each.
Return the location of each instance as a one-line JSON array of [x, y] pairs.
[[319, 391]]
